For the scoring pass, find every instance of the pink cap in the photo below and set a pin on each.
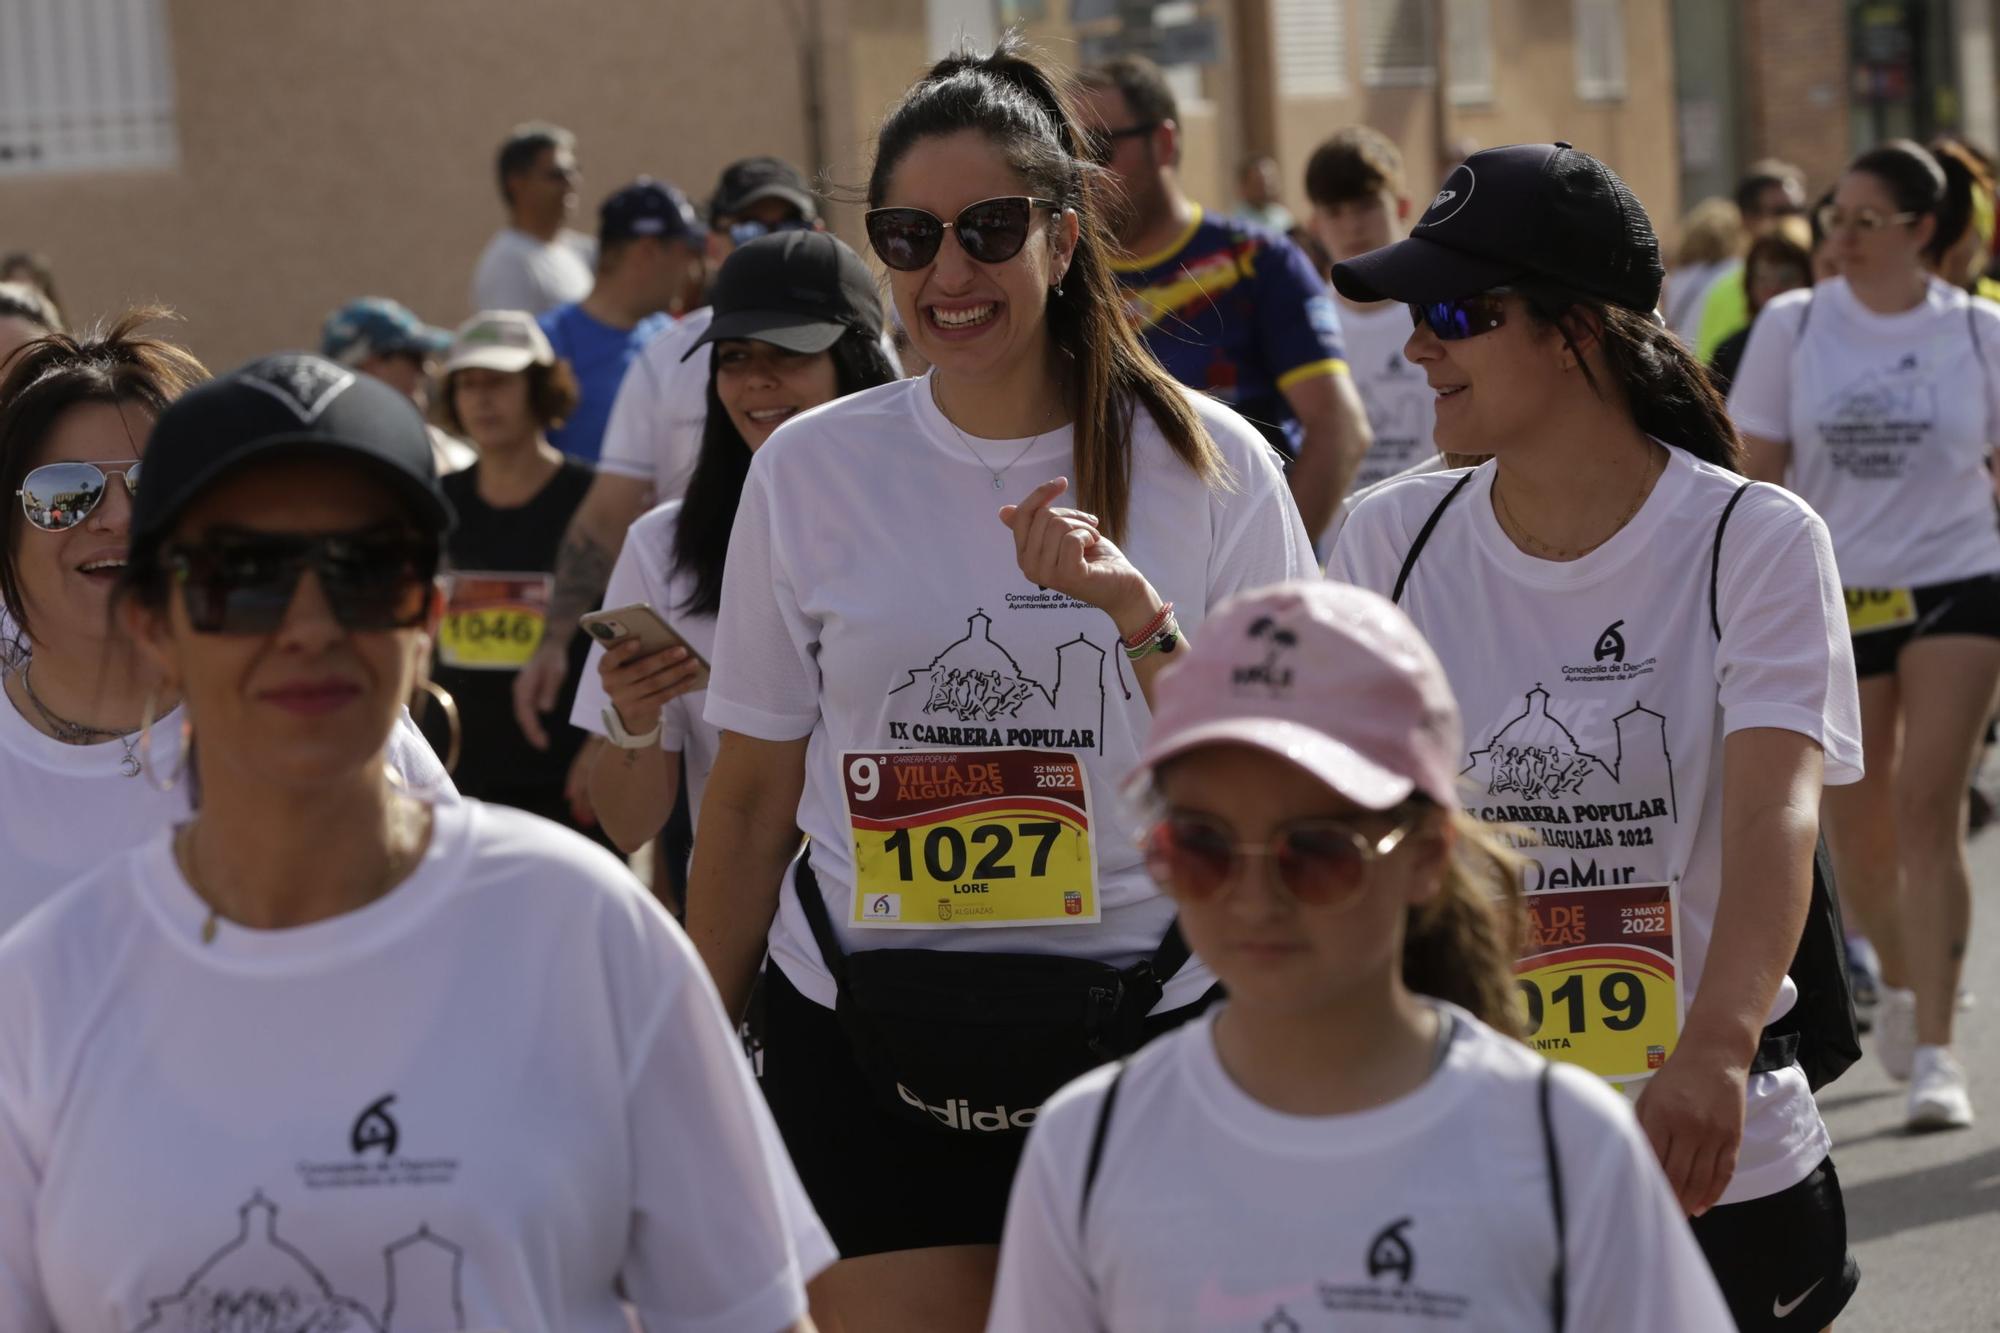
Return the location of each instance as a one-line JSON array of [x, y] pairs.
[[1330, 676]]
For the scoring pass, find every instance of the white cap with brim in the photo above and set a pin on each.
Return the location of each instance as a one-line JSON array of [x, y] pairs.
[[503, 340]]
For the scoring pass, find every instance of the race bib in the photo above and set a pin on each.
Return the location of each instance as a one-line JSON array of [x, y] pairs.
[[493, 622], [951, 838], [1872, 609], [1600, 980]]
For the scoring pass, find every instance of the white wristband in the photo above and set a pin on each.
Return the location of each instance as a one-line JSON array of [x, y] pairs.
[[614, 730]]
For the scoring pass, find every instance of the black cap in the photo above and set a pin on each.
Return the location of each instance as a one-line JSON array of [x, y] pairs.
[[799, 290], [1541, 211], [294, 405], [744, 182], [646, 207]]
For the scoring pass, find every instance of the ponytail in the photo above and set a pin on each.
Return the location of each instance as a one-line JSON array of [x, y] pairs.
[[1024, 109], [1461, 945]]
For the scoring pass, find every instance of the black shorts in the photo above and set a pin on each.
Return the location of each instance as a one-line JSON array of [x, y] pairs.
[[879, 1182], [1964, 606], [1782, 1261]]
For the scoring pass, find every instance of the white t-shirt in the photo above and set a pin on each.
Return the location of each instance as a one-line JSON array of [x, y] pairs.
[[654, 434], [522, 272], [1402, 409], [873, 602], [65, 809], [1596, 698], [1328, 539], [1890, 419], [1210, 1210], [644, 573], [481, 1102]]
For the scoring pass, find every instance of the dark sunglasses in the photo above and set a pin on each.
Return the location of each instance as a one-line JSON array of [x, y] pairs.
[[992, 231], [1104, 143], [57, 496], [1320, 862], [1464, 317], [244, 583]]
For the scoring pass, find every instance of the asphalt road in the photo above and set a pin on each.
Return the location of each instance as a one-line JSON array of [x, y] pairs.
[[1923, 1211]]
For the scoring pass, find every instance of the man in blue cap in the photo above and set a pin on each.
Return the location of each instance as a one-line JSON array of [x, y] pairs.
[[386, 340]]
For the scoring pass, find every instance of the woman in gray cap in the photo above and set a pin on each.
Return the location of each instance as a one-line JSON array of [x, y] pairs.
[[326, 1048]]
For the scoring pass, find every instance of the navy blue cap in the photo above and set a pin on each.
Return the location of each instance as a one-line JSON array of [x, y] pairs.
[[646, 207]]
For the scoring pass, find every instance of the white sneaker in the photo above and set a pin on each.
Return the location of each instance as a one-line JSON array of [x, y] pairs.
[[1896, 1031], [1938, 1099]]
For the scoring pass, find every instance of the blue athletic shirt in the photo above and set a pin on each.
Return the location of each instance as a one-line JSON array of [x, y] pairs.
[[1238, 312], [598, 354]]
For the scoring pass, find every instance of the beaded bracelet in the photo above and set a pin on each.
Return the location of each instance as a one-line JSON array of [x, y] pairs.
[[1152, 627], [1164, 638]]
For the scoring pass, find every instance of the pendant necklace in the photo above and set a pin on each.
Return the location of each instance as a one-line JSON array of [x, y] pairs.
[[80, 733], [999, 477]]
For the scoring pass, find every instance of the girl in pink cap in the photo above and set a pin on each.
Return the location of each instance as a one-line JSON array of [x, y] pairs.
[[1355, 1139]]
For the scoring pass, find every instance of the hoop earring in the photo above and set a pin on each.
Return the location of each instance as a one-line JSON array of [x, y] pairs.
[[144, 749], [442, 697]]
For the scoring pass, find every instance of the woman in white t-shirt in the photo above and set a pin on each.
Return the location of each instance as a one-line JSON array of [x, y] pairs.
[[943, 692], [75, 787], [1875, 396], [796, 322], [328, 1049], [1656, 682], [1353, 1137]]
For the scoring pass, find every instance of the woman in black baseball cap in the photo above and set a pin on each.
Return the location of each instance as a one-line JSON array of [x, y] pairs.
[[306, 1002], [1656, 681]]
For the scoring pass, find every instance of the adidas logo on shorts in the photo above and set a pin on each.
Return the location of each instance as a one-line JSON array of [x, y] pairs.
[[957, 1113]]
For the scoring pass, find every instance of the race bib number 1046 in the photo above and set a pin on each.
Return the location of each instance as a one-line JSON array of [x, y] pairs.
[[1600, 980], [952, 838]]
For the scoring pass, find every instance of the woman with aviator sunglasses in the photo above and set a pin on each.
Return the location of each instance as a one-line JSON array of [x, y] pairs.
[[1650, 659], [82, 775], [1362, 1071], [941, 690], [273, 1038], [1876, 396]]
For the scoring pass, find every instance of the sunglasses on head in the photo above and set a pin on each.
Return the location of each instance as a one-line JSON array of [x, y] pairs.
[[57, 496], [1320, 862], [992, 231], [244, 583], [1463, 317]]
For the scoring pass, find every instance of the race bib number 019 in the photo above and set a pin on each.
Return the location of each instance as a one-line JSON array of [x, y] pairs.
[[951, 838], [1600, 981], [493, 622], [1872, 609]]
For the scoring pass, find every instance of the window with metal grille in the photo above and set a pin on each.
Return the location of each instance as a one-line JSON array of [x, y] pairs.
[[85, 85], [1469, 51], [1600, 50], [1311, 41], [1397, 44]]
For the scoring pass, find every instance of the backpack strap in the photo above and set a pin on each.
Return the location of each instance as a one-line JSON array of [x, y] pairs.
[[1559, 1287], [1097, 1138], [1424, 536], [1715, 562], [813, 903]]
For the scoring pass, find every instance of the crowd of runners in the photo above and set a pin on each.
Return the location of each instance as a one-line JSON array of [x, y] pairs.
[[1124, 767]]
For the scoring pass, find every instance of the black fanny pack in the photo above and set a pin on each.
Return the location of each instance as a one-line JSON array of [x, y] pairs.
[[976, 1042]]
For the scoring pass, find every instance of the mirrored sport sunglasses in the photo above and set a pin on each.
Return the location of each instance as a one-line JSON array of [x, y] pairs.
[[244, 583], [748, 230], [1320, 862], [56, 497], [1465, 317], [992, 231]]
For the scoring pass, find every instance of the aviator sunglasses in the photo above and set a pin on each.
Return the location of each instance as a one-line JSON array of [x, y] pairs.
[[1320, 862], [1464, 317], [244, 583], [992, 231], [56, 497]]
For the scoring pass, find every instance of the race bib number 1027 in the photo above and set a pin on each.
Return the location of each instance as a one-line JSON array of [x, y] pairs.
[[1600, 979], [953, 838]]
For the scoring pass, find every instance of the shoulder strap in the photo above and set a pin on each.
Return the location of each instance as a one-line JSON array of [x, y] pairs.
[[813, 903], [1424, 536], [1805, 314], [1715, 561], [1559, 1293], [1097, 1137]]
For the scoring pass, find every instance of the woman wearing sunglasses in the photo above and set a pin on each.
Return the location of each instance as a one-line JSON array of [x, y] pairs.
[[1655, 681], [259, 1057], [82, 775], [1354, 1128], [796, 322], [942, 693], [1876, 396]]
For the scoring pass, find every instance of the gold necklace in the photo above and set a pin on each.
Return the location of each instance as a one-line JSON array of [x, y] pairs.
[[401, 859], [1558, 553]]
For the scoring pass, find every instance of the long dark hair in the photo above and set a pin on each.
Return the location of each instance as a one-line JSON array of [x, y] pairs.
[[708, 512], [110, 364], [1667, 389], [1024, 109]]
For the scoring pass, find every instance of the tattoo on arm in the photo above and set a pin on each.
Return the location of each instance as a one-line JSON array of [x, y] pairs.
[[582, 569]]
